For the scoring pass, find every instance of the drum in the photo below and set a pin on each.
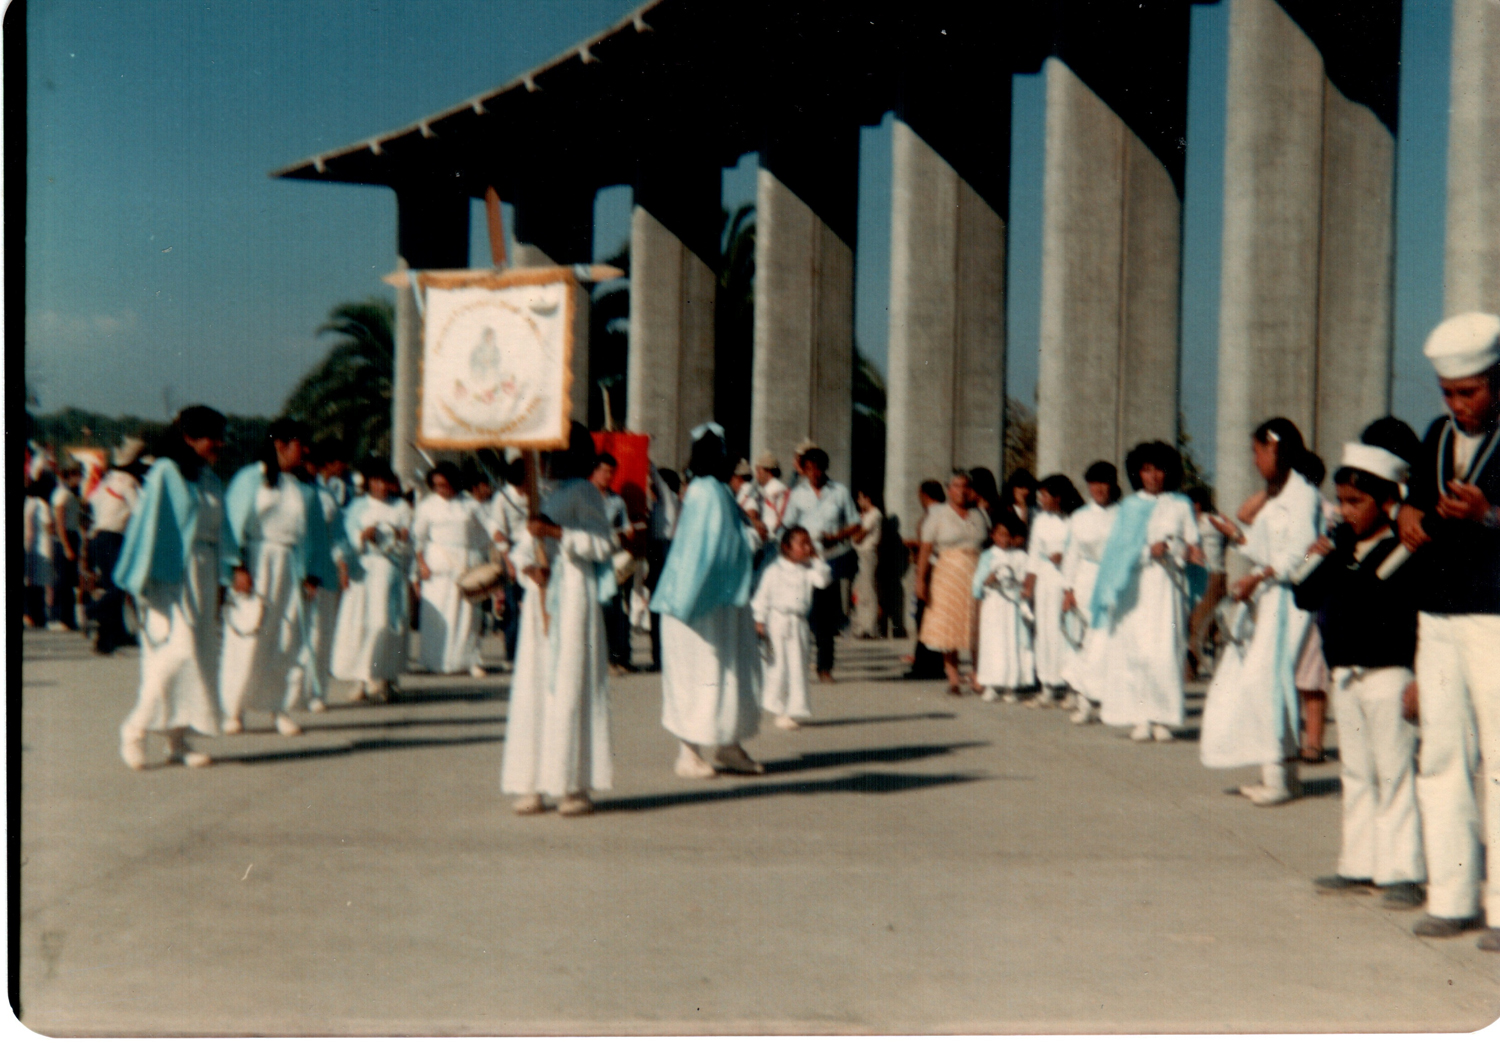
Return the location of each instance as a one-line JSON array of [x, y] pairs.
[[478, 582]]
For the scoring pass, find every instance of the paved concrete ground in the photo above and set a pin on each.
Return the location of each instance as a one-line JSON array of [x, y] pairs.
[[912, 863]]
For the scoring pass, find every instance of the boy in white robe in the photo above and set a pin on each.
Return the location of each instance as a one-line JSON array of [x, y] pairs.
[[1005, 662], [557, 735], [781, 603]]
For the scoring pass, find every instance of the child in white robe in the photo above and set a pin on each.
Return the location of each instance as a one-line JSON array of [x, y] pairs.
[[369, 642], [449, 540], [1005, 661], [781, 603], [1057, 499]]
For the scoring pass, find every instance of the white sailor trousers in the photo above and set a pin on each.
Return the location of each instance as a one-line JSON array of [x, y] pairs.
[[1377, 755], [1458, 678]]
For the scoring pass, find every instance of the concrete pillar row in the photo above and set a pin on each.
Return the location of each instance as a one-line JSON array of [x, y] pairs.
[[1305, 300], [945, 403], [670, 381], [1472, 265], [1111, 263], [804, 329]]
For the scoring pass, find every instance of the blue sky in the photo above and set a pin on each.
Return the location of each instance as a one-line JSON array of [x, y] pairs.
[[164, 267]]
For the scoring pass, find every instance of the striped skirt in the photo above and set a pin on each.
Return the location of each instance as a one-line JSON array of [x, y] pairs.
[[948, 623]]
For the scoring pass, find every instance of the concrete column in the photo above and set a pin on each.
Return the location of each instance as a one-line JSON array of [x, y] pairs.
[[1111, 258], [945, 402], [674, 251], [1273, 180], [1354, 274], [804, 328], [432, 233], [1472, 264]]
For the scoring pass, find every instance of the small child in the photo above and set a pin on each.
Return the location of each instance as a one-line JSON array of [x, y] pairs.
[[780, 606], [1370, 640], [1006, 661]]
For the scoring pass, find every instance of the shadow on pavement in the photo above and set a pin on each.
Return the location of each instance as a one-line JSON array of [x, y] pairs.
[[822, 723], [400, 723], [354, 747], [858, 783], [904, 753]]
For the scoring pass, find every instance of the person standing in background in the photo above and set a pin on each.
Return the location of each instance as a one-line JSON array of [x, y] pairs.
[[867, 611], [667, 504], [67, 521], [39, 535], [1213, 585], [448, 540], [507, 517], [826, 510], [774, 493], [111, 504]]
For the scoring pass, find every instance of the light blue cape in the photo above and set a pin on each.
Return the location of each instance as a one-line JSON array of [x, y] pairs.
[[709, 562], [987, 562], [159, 538], [1121, 562], [312, 557]]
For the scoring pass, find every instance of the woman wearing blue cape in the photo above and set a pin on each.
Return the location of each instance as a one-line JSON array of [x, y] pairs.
[[281, 558], [173, 558], [710, 658], [1140, 596], [557, 732]]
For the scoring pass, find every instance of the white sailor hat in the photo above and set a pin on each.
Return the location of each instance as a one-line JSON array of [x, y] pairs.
[[1464, 345], [1372, 459]]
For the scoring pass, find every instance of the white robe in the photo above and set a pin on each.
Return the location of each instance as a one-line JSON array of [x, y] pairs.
[[1088, 532], [1005, 658], [1243, 725], [781, 603], [367, 647], [557, 731], [180, 632], [1049, 536], [451, 539], [325, 603], [264, 666], [1148, 633], [711, 678]]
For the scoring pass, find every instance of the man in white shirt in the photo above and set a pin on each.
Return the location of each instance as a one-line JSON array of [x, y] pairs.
[[110, 505], [826, 510], [616, 617]]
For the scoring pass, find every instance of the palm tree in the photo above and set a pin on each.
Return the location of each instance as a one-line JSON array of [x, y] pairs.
[[348, 395]]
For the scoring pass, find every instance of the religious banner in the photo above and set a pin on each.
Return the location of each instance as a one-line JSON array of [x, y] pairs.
[[496, 358]]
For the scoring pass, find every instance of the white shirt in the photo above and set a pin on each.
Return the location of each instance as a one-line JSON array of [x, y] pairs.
[[507, 514], [1049, 536], [113, 501], [829, 510], [1088, 533], [280, 515], [448, 535], [774, 495], [787, 587], [946, 529]]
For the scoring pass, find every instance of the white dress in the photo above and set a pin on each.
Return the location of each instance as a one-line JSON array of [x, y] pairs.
[[1088, 532], [266, 633], [1148, 634], [557, 732], [325, 603], [448, 535], [1252, 712], [1049, 536], [180, 630], [369, 643], [781, 603], [1005, 646]]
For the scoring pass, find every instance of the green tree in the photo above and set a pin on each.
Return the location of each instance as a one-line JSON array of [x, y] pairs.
[[348, 394]]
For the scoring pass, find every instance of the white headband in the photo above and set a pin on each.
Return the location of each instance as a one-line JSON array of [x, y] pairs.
[[1372, 459]]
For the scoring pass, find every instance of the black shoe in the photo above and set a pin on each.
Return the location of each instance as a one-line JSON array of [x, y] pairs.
[[1403, 896], [1436, 926], [1327, 884]]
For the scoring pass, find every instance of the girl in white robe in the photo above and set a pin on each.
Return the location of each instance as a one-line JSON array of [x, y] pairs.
[[1140, 597], [1057, 499], [557, 733], [1251, 715], [277, 524], [1005, 661], [710, 660], [172, 560], [1088, 532], [782, 600], [369, 644], [449, 540]]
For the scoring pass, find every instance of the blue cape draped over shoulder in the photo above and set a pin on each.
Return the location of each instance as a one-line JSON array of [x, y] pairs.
[[1121, 563], [709, 562], [309, 558], [160, 534]]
